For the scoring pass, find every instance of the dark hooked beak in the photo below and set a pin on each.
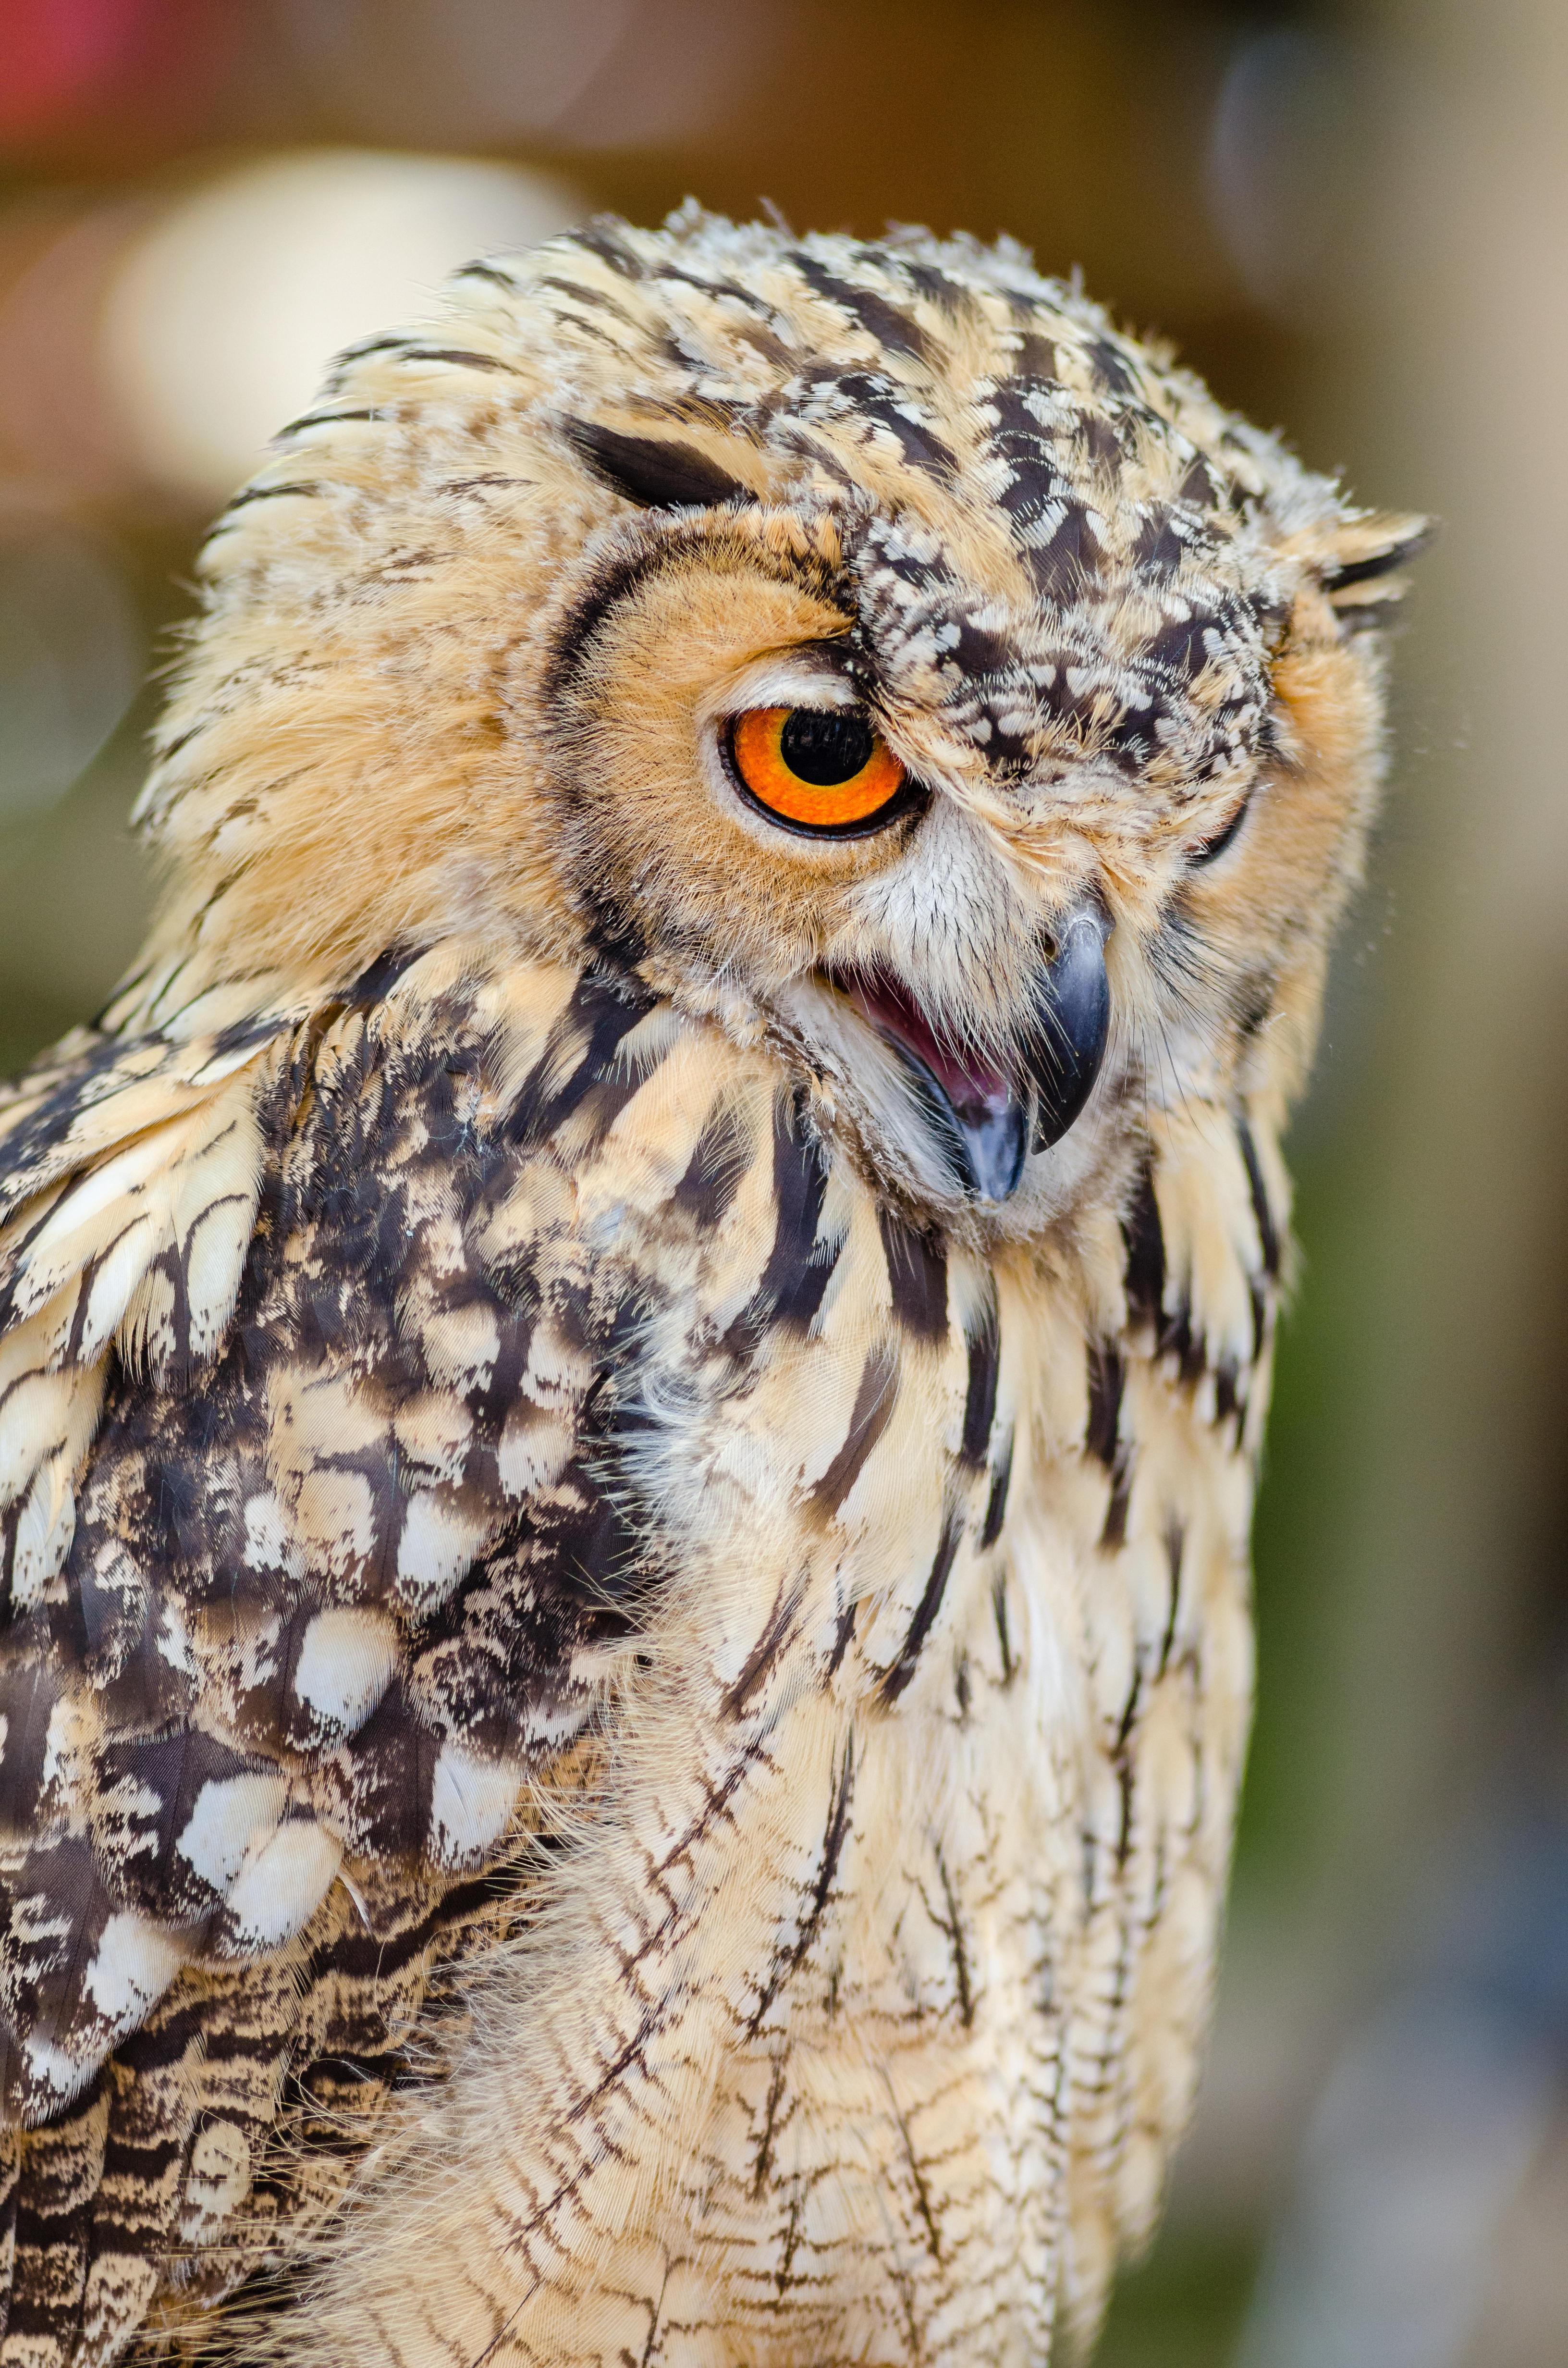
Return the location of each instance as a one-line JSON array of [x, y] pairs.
[[1072, 1023], [984, 1122]]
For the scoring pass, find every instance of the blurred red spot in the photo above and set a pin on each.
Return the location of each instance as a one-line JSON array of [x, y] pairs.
[[57, 54]]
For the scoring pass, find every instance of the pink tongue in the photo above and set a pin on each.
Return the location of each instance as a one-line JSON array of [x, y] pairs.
[[972, 1089]]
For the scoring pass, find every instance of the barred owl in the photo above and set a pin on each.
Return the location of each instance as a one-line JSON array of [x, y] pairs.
[[633, 1359]]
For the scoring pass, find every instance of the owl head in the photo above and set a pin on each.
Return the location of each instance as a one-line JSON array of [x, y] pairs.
[[867, 647]]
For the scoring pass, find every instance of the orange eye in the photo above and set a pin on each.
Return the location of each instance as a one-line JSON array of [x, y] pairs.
[[819, 771]]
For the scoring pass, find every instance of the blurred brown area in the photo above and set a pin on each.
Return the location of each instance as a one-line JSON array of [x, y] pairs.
[[1354, 222]]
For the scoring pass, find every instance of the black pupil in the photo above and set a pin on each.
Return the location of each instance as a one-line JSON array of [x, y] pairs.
[[826, 745]]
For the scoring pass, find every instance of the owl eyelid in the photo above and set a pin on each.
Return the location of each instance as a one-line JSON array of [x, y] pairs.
[[1208, 850], [786, 679]]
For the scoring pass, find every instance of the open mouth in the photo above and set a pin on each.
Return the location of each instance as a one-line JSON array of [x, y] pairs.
[[977, 1112], [985, 1118]]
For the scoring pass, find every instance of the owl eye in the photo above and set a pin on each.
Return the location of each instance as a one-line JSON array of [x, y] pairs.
[[1208, 850], [822, 771]]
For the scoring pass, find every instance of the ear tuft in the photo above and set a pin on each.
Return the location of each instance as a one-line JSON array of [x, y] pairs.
[[652, 473], [1363, 554]]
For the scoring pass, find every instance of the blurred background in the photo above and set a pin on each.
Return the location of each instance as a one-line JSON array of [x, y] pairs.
[[1353, 221]]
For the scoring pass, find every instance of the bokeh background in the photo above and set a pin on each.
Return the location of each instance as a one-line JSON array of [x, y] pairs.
[[1353, 221]]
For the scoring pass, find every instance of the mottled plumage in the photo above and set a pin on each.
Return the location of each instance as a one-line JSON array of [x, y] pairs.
[[627, 1656]]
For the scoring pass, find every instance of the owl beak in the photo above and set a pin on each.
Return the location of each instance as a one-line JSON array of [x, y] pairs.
[[1071, 1022], [984, 1121]]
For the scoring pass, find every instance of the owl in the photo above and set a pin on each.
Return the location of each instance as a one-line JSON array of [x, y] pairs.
[[632, 1361]]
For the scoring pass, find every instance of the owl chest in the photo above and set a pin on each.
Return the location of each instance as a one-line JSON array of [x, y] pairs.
[[996, 1703], [889, 1938], [878, 1993]]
